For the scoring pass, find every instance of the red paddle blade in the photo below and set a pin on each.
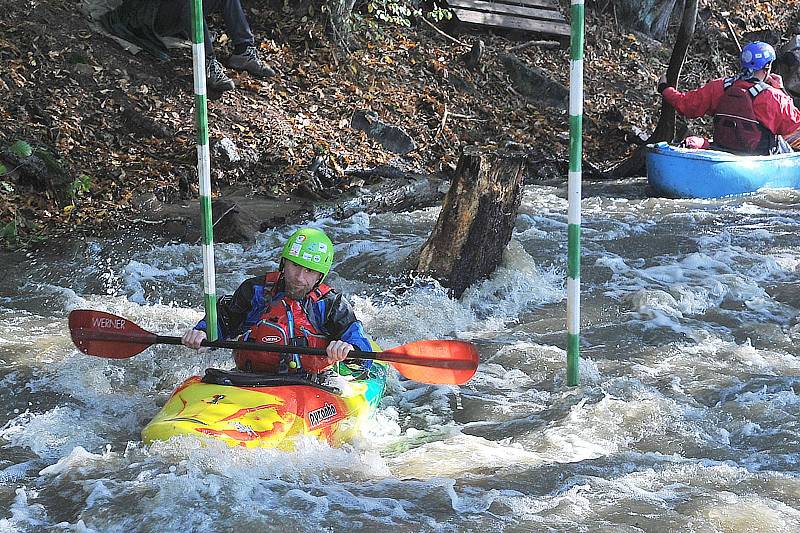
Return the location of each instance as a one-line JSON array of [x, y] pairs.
[[105, 335], [435, 362]]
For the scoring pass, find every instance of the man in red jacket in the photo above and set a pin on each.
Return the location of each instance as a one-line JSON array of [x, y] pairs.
[[751, 110]]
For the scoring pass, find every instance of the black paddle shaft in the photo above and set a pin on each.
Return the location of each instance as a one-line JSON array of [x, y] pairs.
[[306, 350], [260, 347], [146, 340], [149, 339]]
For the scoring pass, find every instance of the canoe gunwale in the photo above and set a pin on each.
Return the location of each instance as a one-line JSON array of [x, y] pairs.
[[707, 174], [716, 156]]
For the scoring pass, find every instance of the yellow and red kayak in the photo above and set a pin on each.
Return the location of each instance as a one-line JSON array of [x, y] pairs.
[[247, 409], [252, 410]]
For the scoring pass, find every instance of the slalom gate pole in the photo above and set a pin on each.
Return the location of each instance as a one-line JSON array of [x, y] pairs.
[[204, 168], [574, 191]]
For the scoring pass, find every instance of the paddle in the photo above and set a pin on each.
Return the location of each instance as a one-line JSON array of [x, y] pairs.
[[437, 362]]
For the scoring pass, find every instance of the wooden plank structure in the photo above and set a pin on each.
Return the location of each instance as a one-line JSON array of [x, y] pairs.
[[540, 16]]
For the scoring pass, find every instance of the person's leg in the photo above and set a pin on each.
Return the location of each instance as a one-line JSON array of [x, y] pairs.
[[175, 17], [245, 54], [236, 25], [216, 78], [208, 43]]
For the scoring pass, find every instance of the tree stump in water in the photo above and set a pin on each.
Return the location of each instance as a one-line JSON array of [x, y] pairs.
[[477, 218]]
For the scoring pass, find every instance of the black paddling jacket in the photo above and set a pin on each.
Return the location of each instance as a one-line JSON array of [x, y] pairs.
[[331, 314]]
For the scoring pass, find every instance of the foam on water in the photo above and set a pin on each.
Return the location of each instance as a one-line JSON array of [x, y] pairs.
[[668, 496], [136, 272], [25, 516], [459, 455], [685, 419], [426, 311], [518, 286], [698, 283], [312, 486], [54, 433]]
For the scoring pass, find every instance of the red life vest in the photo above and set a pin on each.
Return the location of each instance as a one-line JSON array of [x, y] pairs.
[[736, 128], [284, 321]]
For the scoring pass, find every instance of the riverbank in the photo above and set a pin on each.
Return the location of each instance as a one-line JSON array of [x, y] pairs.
[[119, 126]]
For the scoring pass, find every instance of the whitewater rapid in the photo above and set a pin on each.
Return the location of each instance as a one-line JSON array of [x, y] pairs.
[[686, 417]]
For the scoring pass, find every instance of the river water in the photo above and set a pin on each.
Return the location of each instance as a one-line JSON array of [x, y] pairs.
[[686, 417]]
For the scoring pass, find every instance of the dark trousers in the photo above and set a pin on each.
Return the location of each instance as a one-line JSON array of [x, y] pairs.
[[175, 16]]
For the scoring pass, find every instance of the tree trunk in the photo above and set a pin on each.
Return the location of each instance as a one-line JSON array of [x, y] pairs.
[[648, 16], [477, 218], [634, 165], [665, 129], [340, 12]]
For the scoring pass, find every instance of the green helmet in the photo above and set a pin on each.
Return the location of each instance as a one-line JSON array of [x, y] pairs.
[[310, 248]]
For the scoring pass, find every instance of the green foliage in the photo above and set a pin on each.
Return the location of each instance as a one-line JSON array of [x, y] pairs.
[[36, 237], [20, 149], [80, 186], [3, 170], [49, 159], [403, 12], [20, 233], [8, 232], [392, 12], [6, 186], [439, 14]]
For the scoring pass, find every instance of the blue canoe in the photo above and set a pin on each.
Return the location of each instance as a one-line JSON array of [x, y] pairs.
[[688, 173]]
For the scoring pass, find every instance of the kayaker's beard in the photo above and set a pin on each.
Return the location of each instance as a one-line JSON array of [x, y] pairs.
[[296, 291], [298, 280]]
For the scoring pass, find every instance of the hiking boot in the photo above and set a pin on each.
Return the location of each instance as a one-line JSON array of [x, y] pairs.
[[216, 79], [250, 62]]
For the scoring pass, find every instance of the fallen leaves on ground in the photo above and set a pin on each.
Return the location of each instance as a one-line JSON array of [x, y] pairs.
[[127, 121]]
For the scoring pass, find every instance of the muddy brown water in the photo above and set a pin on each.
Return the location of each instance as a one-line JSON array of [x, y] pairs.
[[686, 417]]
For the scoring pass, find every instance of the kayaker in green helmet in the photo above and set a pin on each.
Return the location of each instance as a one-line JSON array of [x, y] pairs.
[[291, 307]]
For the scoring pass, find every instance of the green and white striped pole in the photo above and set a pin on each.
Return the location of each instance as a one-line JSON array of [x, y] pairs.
[[574, 192], [204, 169]]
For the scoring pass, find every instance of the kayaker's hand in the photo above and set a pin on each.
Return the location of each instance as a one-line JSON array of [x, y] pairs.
[[193, 338], [338, 350], [662, 84]]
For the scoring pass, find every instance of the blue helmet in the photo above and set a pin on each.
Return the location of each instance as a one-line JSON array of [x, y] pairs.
[[757, 55]]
